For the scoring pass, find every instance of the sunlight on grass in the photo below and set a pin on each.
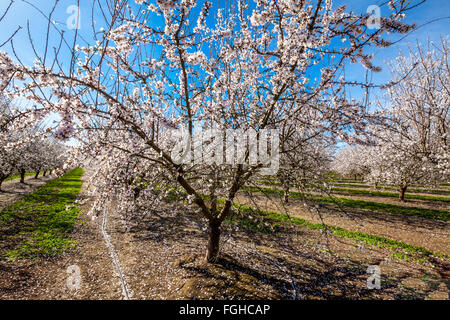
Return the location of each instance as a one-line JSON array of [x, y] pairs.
[[39, 224], [432, 214], [401, 249], [17, 176]]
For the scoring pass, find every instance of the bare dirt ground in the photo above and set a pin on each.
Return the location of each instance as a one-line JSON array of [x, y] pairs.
[[13, 190], [161, 257], [430, 234]]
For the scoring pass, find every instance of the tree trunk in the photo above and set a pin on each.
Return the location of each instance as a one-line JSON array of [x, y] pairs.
[[1, 181], [286, 192], [22, 175], [44, 173], [401, 195], [213, 241], [36, 175]]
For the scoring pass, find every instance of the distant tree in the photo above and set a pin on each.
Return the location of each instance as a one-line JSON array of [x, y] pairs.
[[351, 162], [305, 158], [414, 145], [7, 159]]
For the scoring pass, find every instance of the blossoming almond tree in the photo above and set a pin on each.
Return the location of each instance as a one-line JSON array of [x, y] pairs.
[[414, 146], [35, 152], [304, 162], [351, 161], [44, 153], [250, 69], [9, 157], [6, 165]]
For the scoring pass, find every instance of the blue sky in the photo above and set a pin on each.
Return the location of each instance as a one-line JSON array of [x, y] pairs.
[[23, 13], [430, 10]]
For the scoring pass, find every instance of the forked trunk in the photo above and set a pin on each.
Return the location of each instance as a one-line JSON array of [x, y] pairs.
[[36, 175], [213, 241]]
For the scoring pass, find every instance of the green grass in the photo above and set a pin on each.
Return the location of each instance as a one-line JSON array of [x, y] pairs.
[[268, 182], [432, 214], [269, 222], [389, 194], [401, 249], [409, 190], [40, 224], [351, 189], [250, 222], [17, 176], [353, 185]]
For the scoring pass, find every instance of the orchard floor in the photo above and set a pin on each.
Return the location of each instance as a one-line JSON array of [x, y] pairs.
[[161, 257], [426, 204], [430, 234], [13, 190], [419, 203]]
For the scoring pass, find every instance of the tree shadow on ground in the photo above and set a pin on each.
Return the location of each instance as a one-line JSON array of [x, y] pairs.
[[229, 278], [14, 278], [262, 266], [375, 217]]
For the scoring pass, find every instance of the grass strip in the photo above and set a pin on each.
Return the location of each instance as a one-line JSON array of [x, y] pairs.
[[339, 187], [402, 250], [40, 224], [414, 189], [17, 176], [268, 222], [389, 194], [432, 214]]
